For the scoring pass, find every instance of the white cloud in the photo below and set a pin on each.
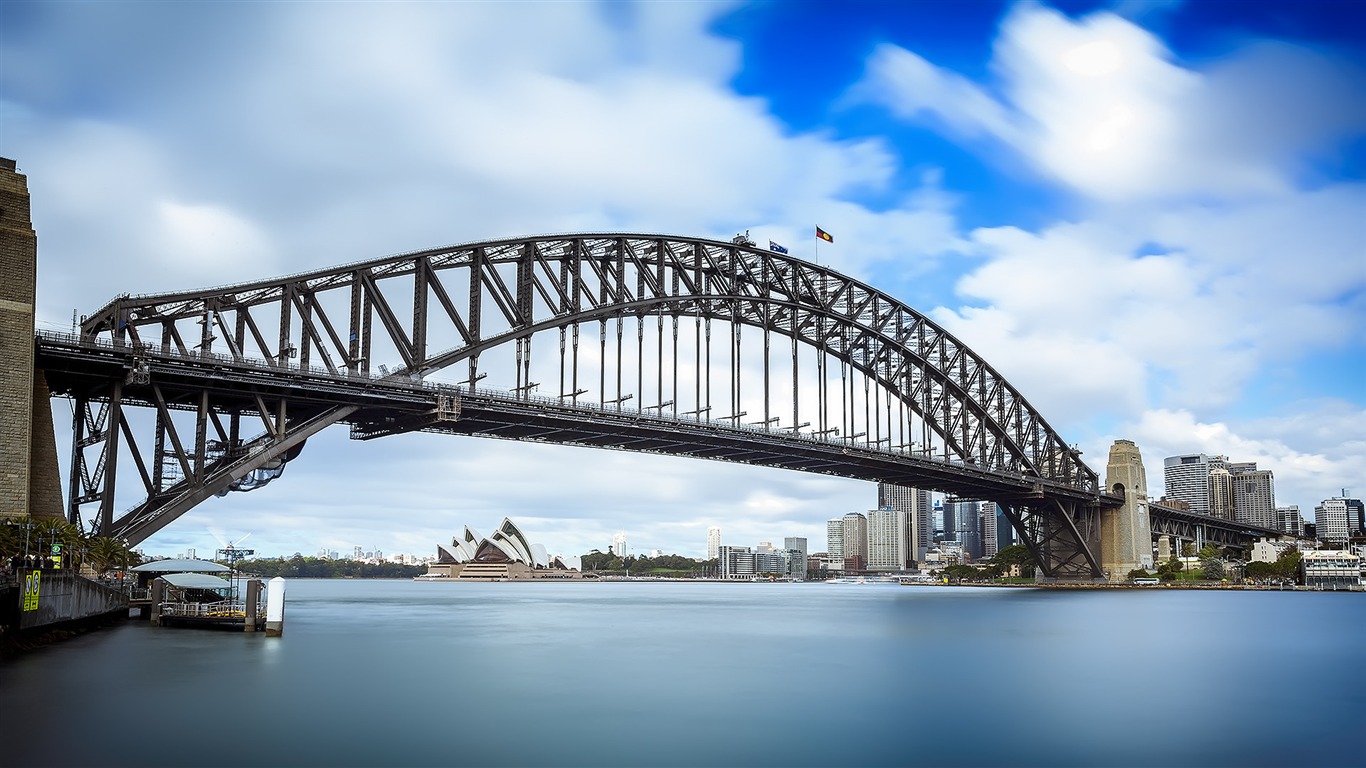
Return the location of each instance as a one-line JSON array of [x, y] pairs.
[[1099, 105], [288, 138], [1314, 454]]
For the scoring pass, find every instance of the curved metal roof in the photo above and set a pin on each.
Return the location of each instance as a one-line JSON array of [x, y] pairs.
[[196, 581], [181, 566]]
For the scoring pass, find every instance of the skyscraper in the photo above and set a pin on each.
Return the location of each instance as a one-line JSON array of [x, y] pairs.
[[1221, 493], [713, 543], [1289, 520], [987, 525], [1187, 478], [1005, 532], [1254, 494], [1336, 518], [914, 504], [834, 540], [619, 543], [798, 543], [966, 514], [886, 539], [855, 542]]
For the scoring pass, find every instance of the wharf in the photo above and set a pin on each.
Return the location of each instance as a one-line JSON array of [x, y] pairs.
[[220, 615]]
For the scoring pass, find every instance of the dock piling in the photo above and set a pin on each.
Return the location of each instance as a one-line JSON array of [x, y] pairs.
[[275, 607]]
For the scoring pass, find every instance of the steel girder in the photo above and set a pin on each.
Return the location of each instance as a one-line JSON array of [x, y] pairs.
[[516, 288], [1063, 535], [1193, 527], [436, 309]]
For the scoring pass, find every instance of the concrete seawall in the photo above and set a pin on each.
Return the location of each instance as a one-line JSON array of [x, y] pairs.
[[45, 598]]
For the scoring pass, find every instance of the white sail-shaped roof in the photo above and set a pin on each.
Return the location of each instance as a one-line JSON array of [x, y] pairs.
[[509, 529], [451, 554], [494, 549], [507, 543]]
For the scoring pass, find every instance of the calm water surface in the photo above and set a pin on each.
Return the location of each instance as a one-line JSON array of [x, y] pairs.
[[401, 673]]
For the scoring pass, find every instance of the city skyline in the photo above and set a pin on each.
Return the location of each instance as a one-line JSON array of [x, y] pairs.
[[1145, 216]]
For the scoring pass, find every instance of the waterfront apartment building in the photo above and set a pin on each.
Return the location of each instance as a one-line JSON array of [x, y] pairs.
[[744, 563], [855, 542], [1187, 479], [713, 543], [915, 506], [736, 562], [619, 544], [886, 539]]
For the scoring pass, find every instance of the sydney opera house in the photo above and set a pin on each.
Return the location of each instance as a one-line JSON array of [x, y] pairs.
[[505, 555]]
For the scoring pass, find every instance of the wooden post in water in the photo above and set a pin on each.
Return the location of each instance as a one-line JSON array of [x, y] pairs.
[[253, 599], [275, 607], [158, 589]]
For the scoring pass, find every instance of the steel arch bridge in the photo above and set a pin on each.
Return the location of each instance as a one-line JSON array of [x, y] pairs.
[[672, 345]]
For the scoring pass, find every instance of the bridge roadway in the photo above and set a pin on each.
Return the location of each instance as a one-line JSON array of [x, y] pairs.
[[395, 404], [378, 406]]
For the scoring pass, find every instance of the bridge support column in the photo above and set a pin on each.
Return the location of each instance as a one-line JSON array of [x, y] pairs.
[[1126, 539], [29, 483]]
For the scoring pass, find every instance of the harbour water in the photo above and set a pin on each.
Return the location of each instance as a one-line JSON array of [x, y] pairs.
[[401, 673]]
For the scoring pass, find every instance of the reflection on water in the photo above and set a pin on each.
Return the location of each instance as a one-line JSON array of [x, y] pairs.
[[581, 674]]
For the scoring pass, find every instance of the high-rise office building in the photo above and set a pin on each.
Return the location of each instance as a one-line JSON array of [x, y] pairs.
[[886, 539], [713, 543], [1336, 518], [1005, 532], [1221, 493], [966, 515], [1289, 520], [987, 525], [834, 540], [1254, 494], [1187, 478], [798, 543], [914, 504], [855, 542]]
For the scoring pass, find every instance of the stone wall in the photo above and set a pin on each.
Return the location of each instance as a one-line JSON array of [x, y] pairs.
[[18, 266], [30, 483], [44, 481]]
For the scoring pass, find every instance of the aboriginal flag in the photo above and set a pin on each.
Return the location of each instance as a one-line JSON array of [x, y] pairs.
[[822, 234]]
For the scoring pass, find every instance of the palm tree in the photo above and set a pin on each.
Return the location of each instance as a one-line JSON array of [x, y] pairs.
[[53, 531], [106, 553]]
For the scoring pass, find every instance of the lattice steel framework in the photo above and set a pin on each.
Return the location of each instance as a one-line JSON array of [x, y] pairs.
[[656, 319]]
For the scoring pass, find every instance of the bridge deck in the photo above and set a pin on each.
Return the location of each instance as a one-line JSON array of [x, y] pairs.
[[387, 405]]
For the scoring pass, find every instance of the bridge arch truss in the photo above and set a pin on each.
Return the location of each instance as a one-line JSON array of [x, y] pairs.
[[791, 363]]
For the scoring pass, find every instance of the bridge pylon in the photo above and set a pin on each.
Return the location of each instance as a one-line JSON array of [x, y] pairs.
[[1125, 531], [29, 481]]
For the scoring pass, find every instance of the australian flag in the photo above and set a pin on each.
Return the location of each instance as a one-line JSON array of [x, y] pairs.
[[772, 246]]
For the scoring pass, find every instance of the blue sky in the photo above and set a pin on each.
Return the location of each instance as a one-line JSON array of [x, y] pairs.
[[1150, 217]]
